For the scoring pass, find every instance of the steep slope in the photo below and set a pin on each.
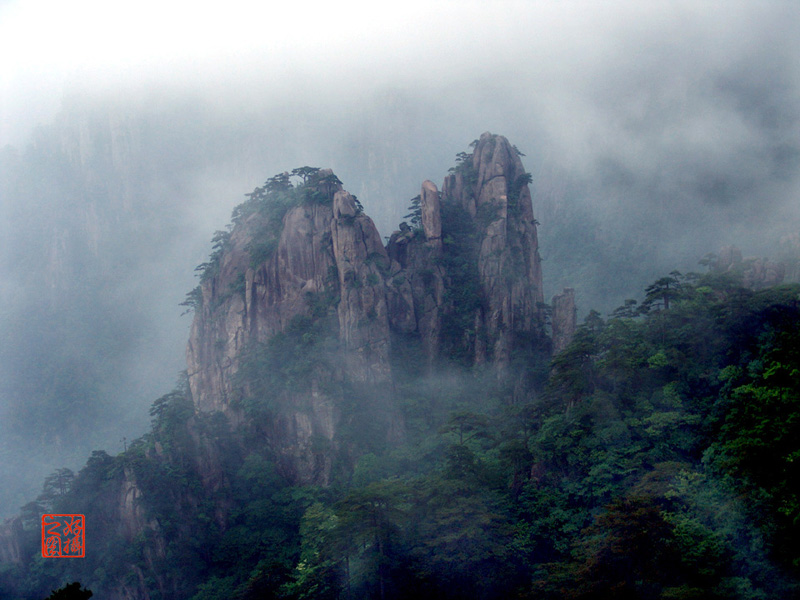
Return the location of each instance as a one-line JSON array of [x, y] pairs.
[[301, 285], [307, 276]]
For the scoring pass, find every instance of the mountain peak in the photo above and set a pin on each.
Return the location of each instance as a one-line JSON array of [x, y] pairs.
[[304, 285]]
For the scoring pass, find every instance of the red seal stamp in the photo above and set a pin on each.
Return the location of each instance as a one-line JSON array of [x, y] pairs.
[[63, 536]]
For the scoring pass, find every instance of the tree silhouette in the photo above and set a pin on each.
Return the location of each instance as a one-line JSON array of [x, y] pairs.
[[305, 173], [71, 591], [328, 184], [662, 291], [278, 183]]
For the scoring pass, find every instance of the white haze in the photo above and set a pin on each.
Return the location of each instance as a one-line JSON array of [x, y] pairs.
[[655, 133]]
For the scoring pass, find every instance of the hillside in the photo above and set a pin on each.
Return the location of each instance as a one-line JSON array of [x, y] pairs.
[[360, 420]]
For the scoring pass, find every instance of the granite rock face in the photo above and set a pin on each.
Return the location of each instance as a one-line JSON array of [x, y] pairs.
[[762, 273], [756, 273], [298, 317], [416, 286], [360, 259], [466, 277], [493, 189], [328, 259]]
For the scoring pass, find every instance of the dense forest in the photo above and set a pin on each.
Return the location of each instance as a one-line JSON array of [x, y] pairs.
[[650, 458]]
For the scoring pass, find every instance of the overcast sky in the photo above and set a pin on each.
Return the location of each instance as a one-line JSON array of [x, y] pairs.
[[570, 51], [45, 44]]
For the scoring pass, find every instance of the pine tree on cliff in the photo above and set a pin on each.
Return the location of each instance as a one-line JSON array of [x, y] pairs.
[[415, 212]]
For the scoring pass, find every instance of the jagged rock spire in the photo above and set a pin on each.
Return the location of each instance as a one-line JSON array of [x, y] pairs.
[[492, 186], [467, 280]]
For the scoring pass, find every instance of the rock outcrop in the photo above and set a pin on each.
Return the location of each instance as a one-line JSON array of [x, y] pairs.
[[762, 273], [465, 280], [134, 525], [360, 258], [326, 267], [508, 261], [756, 273], [243, 304], [416, 286], [491, 225]]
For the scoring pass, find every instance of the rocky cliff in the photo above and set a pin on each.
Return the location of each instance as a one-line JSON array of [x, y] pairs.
[[319, 289], [476, 272], [302, 285], [756, 273]]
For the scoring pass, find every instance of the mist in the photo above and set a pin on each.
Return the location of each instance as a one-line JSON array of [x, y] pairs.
[[655, 134]]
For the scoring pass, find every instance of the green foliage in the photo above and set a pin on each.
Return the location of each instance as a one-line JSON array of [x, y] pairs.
[[263, 213], [465, 167], [261, 251], [284, 365], [659, 294], [515, 189], [759, 439], [193, 301], [659, 461], [466, 426], [325, 187], [318, 571], [56, 486], [216, 589], [305, 173], [463, 295], [170, 413], [278, 183], [220, 243], [630, 551], [239, 285], [698, 377], [359, 206], [379, 260]]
